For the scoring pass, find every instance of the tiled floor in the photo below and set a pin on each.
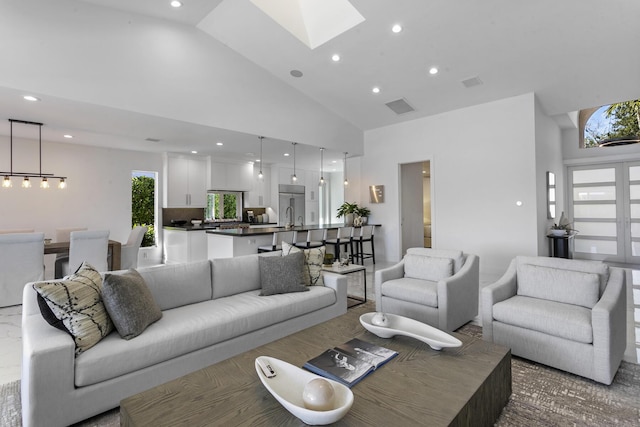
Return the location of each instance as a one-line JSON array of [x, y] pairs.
[[10, 319]]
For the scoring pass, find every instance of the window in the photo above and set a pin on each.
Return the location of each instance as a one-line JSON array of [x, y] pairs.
[[610, 125], [224, 205], [143, 204]]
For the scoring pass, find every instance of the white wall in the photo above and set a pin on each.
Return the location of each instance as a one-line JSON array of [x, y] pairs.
[[98, 194], [548, 158], [482, 162]]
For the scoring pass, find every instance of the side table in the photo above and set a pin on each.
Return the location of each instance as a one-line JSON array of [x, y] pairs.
[[348, 269]]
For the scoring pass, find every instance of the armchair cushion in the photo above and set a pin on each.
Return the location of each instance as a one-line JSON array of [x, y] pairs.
[[560, 285], [412, 290], [427, 268], [553, 318], [458, 257]]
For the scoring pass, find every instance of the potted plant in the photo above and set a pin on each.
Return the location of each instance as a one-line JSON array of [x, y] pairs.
[[347, 210], [363, 212]]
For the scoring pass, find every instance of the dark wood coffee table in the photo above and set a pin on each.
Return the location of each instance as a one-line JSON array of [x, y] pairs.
[[465, 386]]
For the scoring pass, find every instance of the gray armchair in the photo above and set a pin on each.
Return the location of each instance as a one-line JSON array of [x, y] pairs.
[[434, 286], [568, 314]]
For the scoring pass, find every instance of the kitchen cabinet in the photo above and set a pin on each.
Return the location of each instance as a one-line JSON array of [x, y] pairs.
[[231, 176], [185, 181], [182, 246], [260, 194]]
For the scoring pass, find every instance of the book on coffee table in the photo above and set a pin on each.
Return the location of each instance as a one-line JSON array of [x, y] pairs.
[[350, 362]]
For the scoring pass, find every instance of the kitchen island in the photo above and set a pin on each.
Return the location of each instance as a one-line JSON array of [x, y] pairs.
[[227, 243]]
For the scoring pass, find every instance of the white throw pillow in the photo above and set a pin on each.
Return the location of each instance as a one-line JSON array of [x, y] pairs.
[[313, 260], [427, 268]]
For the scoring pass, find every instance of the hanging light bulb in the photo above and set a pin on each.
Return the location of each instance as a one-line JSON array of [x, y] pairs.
[[44, 183], [63, 184], [26, 183], [346, 181], [260, 175], [321, 162], [294, 178], [6, 182]]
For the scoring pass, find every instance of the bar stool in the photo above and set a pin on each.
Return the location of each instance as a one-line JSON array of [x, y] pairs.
[[315, 239], [343, 238], [366, 235], [276, 242]]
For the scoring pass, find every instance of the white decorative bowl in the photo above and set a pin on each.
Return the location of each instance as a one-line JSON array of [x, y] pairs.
[[287, 387], [196, 221], [399, 325]]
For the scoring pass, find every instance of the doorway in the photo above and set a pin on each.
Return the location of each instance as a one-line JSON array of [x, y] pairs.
[[415, 205]]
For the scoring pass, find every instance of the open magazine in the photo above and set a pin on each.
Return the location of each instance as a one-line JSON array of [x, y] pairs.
[[350, 362]]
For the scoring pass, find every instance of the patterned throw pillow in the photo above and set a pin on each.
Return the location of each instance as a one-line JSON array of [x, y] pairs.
[[281, 275], [129, 302], [313, 260], [77, 302]]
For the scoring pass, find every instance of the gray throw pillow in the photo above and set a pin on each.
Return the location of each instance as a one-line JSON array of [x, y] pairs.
[[281, 275], [129, 303]]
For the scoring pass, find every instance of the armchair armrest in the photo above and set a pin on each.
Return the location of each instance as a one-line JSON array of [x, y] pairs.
[[501, 290], [458, 295], [381, 276], [608, 319]]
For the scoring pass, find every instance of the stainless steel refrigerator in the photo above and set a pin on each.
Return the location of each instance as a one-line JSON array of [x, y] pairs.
[[291, 204]]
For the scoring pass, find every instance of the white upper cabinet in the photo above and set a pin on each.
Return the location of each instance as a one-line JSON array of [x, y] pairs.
[[311, 189], [231, 176], [260, 194], [185, 181]]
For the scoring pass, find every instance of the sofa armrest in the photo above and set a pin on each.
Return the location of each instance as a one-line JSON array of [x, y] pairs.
[[501, 290], [381, 276], [458, 295], [609, 324], [337, 282]]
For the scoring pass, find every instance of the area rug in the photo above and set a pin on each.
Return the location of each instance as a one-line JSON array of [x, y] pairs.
[[541, 396]]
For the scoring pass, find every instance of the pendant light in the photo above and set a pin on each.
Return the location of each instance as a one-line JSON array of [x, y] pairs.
[[346, 181], [294, 178], [260, 175], [321, 162]]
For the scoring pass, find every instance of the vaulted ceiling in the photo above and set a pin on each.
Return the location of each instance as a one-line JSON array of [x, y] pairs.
[[118, 72]]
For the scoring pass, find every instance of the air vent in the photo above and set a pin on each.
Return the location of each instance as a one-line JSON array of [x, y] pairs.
[[472, 81], [152, 139], [400, 106]]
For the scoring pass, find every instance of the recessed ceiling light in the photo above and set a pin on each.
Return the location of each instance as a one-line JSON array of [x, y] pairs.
[[433, 71], [194, 152], [30, 98], [286, 154], [334, 161], [176, 3], [258, 160], [296, 73], [68, 136], [396, 28], [219, 143], [375, 90], [335, 57]]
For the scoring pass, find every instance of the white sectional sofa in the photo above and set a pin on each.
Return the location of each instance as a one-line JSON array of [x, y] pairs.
[[211, 311]]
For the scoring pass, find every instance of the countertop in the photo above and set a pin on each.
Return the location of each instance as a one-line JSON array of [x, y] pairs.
[[205, 227], [245, 232]]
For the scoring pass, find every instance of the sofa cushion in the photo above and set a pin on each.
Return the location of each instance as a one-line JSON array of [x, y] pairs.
[[587, 266], [419, 291], [427, 268], [175, 285], [313, 260], [235, 275], [77, 302], [129, 303], [555, 284], [281, 275], [553, 318], [458, 257], [185, 329]]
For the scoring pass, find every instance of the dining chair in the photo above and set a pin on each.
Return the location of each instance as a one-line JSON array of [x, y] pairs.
[[90, 246], [63, 235], [359, 239], [343, 238], [21, 262], [276, 242], [129, 251]]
